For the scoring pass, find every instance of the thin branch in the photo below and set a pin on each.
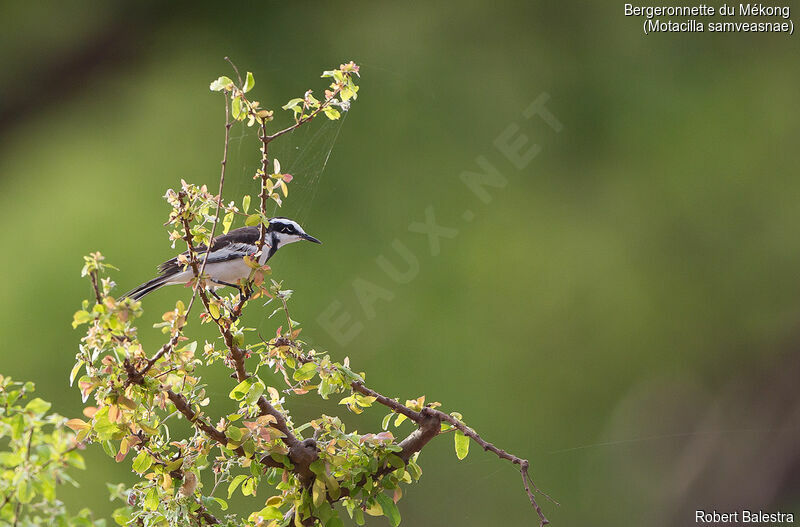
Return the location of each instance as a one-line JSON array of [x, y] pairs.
[[262, 229], [62, 454], [414, 444], [288, 318], [525, 479], [182, 404], [184, 407], [207, 516], [6, 499], [223, 164], [18, 508], [163, 351], [305, 119], [96, 287], [244, 296], [235, 69], [429, 421], [393, 405]]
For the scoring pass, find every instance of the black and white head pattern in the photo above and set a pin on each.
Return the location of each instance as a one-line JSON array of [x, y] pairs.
[[284, 231]]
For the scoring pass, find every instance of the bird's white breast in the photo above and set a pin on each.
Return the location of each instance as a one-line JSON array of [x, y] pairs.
[[230, 271]]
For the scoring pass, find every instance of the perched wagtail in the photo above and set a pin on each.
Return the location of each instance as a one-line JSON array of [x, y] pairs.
[[226, 265]]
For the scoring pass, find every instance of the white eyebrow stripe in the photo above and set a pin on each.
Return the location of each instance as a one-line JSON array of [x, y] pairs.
[[287, 223]]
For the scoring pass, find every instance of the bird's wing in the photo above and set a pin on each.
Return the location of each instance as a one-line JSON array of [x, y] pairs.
[[232, 251], [235, 244]]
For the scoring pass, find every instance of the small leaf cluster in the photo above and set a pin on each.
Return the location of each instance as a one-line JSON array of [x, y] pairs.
[[242, 108], [37, 453], [340, 93]]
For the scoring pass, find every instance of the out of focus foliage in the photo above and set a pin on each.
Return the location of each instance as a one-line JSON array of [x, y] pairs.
[[37, 452]]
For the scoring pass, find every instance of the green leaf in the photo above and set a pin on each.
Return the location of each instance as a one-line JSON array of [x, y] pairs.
[[395, 461], [334, 491], [237, 112], [318, 492], [222, 503], [363, 400], [389, 509], [249, 487], [462, 444], [222, 83], [385, 422], [256, 468], [233, 433], [249, 82], [76, 460], [332, 113], [121, 516], [252, 220], [246, 203], [103, 427], [9, 459], [249, 448], [335, 521], [292, 103], [254, 392], [46, 487], [80, 317], [350, 374], [37, 406], [305, 372], [142, 462], [270, 513], [109, 449], [227, 221], [74, 372], [25, 491], [17, 426], [317, 467], [235, 482], [151, 500], [241, 389], [324, 512]]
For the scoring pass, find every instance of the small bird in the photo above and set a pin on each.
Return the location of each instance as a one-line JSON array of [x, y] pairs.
[[226, 264]]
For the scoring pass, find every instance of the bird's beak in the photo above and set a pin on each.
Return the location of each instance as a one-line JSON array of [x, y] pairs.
[[311, 239]]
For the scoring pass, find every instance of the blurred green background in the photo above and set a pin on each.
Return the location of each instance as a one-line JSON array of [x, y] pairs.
[[623, 312]]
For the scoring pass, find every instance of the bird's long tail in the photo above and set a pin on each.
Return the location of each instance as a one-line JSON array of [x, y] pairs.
[[147, 287]]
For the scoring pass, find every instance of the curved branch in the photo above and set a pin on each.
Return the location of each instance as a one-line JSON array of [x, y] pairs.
[[429, 421]]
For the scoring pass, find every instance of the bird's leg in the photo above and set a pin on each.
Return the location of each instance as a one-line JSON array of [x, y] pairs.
[[220, 282]]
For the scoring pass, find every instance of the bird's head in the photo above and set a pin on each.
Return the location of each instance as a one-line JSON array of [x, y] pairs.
[[283, 231]]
